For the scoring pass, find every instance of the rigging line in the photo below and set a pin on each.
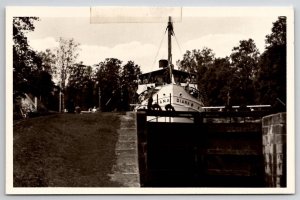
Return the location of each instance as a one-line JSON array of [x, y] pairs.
[[163, 37], [178, 44], [180, 50], [161, 41]]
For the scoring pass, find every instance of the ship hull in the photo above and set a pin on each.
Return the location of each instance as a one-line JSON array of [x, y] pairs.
[[179, 97]]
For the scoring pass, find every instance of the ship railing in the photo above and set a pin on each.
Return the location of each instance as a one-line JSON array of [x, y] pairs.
[[209, 117]]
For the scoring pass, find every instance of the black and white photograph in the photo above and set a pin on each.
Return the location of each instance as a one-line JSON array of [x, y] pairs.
[[150, 100]]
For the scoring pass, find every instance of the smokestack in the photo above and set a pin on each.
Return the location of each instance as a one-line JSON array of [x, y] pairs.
[[163, 63]]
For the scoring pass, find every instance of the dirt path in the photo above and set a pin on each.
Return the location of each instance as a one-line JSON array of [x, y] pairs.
[[125, 170]]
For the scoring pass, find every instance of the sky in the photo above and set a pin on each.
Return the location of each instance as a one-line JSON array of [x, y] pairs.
[[140, 42]]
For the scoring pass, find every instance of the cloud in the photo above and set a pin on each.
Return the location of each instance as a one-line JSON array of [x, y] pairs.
[[43, 43], [147, 55], [140, 53], [221, 44]]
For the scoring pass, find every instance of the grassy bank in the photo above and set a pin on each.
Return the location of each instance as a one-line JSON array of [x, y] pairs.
[[66, 150]]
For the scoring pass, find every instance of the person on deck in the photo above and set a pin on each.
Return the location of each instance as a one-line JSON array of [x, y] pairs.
[[150, 101]]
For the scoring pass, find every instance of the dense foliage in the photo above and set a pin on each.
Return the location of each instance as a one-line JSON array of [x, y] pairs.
[[29, 74], [117, 84], [245, 77], [271, 77]]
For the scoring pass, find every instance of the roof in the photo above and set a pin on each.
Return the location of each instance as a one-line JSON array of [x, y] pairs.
[[161, 72]]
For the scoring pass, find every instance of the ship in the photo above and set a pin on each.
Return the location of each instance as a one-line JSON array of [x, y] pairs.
[[168, 89]]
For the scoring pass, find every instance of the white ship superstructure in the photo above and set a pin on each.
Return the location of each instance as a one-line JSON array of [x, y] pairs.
[[168, 89]]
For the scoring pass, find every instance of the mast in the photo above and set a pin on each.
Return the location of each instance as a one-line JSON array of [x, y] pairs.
[[170, 33]]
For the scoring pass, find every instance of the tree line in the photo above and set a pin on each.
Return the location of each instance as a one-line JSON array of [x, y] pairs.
[[60, 82], [246, 77]]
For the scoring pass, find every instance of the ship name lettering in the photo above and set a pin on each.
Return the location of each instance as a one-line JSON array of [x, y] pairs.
[[186, 102]]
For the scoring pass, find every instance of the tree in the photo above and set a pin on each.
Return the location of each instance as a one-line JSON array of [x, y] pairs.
[[198, 62], [217, 81], [108, 79], [42, 85], [189, 62], [129, 83], [66, 55], [278, 35], [24, 58], [80, 87], [48, 61], [44, 82], [29, 74], [244, 61], [22, 25], [271, 78]]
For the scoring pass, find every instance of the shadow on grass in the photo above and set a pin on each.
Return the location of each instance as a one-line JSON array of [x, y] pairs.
[[65, 150]]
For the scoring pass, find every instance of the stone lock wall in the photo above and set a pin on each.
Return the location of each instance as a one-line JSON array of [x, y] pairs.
[[274, 149]]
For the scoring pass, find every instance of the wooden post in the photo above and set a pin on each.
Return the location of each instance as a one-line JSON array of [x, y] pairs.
[[99, 93], [59, 106], [171, 105], [35, 104], [141, 120]]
